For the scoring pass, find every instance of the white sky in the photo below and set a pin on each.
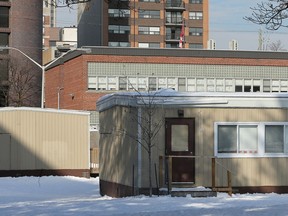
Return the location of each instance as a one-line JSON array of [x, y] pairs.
[[226, 24]]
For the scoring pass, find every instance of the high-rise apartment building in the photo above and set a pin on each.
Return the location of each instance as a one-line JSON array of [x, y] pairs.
[[144, 23], [49, 21], [20, 29]]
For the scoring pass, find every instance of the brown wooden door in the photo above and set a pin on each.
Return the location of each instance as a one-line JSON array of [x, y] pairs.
[[180, 144]]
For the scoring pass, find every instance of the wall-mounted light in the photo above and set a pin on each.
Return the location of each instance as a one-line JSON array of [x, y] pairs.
[[180, 113], [58, 95], [72, 96]]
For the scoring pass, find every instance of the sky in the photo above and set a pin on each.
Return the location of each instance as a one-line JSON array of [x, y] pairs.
[[70, 196], [226, 23]]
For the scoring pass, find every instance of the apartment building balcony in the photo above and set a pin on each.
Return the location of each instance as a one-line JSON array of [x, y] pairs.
[[174, 5], [174, 22], [172, 38]]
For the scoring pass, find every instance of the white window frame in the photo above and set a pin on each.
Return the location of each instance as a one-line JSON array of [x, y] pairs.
[[196, 15], [261, 140]]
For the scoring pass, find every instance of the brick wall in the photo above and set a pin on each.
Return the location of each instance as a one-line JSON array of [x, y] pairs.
[[72, 76]]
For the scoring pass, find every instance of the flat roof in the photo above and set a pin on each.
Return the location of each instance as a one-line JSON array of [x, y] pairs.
[[167, 52], [169, 98], [37, 109]]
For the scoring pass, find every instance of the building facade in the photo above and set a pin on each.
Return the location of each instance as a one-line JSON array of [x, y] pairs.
[[49, 21], [144, 23], [201, 138], [61, 40], [79, 79], [21, 28], [40, 142]]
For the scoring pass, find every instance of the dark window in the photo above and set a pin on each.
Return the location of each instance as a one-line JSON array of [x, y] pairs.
[[247, 88], [4, 41], [256, 88], [3, 70], [196, 46], [4, 17], [238, 89], [227, 139], [274, 139], [149, 0]]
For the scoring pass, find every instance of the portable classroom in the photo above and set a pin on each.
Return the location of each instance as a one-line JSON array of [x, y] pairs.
[[37, 142], [245, 133]]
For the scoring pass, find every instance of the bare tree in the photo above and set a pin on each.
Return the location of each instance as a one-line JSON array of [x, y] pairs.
[[65, 3], [271, 13], [276, 46], [150, 122], [19, 85]]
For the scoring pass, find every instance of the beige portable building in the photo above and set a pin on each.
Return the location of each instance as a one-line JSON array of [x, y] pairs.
[[36, 141], [203, 137]]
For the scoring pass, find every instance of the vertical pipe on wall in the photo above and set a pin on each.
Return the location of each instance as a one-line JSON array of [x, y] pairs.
[[139, 176]]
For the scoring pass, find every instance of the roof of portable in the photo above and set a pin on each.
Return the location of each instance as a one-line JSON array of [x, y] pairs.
[[50, 110], [172, 99]]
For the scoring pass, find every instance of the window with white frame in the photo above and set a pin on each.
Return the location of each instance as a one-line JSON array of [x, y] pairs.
[[149, 30], [149, 14], [195, 31], [94, 120], [118, 44], [195, 1], [119, 13], [194, 15], [251, 139], [149, 45], [118, 29]]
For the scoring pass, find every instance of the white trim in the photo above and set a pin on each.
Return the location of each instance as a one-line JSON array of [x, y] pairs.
[[261, 141], [139, 176], [89, 145], [36, 109]]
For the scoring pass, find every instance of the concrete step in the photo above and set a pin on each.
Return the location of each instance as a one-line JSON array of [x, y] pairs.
[[192, 191]]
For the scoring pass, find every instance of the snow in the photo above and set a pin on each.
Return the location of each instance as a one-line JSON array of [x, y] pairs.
[[79, 196]]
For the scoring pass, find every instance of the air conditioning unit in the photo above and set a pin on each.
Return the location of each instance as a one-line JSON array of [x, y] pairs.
[[211, 45]]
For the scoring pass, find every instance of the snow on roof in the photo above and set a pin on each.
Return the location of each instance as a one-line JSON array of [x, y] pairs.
[[37, 109], [172, 99]]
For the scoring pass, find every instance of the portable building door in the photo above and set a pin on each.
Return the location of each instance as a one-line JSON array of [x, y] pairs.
[[180, 146], [5, 151]]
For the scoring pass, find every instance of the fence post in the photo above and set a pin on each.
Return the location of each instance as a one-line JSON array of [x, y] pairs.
[[229, 183], [169, 174], [161, 171], [213, 173]]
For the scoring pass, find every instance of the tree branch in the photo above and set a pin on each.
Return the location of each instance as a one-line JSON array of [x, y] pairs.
[[272, 14]]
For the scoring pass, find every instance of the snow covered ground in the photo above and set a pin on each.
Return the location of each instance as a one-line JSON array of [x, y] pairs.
[[77, 196]]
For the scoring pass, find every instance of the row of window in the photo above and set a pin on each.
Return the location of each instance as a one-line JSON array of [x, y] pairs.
[[186, 84], [190, 1], [154, 30], [150, 45], [251, 139], [171, 17]]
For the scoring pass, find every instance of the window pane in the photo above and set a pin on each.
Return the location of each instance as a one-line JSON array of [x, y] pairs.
[[4, 17], [179, 136], [227, 139], [248, 139], [274, 139], [92, 83]]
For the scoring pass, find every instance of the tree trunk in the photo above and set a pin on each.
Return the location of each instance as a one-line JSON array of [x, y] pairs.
[[150, 172]]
